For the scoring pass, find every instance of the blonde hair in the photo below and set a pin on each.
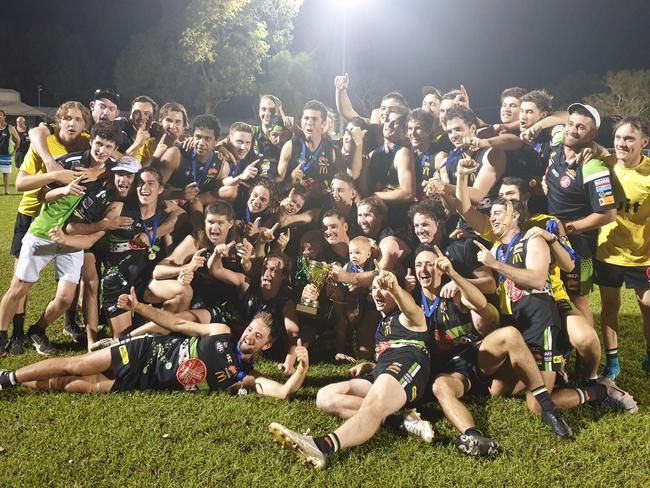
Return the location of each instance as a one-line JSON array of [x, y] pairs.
[[62, 111]]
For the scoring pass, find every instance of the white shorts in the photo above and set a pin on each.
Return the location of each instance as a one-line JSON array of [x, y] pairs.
[[36, 253]]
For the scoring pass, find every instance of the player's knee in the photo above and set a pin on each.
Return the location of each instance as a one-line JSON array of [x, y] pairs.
[[325, 400], [442, 388]]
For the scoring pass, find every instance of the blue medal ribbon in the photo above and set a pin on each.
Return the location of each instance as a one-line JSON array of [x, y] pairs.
[[235, 171], [241, 374], [430, 309], [151, 237], [453, 157], [552, 227], [503, 256], [308, 162], [195, 169]]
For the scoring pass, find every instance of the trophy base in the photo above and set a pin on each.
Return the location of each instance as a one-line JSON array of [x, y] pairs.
[[307, 309]]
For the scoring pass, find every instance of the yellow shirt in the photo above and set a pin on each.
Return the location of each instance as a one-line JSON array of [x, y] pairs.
[[34, 165], [539, 220], [145, 152], [626, 241]]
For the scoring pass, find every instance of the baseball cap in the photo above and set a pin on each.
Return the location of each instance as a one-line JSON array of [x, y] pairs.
[[107, 93], [128, 164], [592, 111]]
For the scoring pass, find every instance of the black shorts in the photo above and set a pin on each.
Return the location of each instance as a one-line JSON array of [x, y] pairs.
[[408, 365], [127, 361], [580, 281], [537, 318], [132, 270], [465, 362], [614, 275], [20, 229], [564, 307]]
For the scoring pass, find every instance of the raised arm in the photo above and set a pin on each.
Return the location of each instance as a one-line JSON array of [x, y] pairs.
[[168, 320], [343, 103], [413, 315], [268, 387]]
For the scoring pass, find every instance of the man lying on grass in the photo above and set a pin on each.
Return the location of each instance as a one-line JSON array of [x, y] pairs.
[[193, 357], [398, 379]]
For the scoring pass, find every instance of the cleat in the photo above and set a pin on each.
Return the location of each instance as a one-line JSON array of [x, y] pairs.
[[17, 345], [41, 343], [415, 425], [304, 446], [617, 399], [5, 381], [476, 445], [76, 333], [103, 344], [555, 420]]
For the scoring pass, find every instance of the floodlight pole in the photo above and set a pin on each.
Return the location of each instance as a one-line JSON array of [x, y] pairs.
[[40, 89]]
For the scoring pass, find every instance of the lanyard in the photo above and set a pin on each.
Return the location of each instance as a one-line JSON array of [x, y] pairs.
[[240, 374], [453, 157], [424, 160], [151, 237], [195, 168], [551, 226], [503, 256], [430, 309], [235, 171], [308, 162]]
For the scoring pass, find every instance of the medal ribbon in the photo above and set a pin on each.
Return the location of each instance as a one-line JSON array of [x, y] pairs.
[[551, 226], [431, 309], [151, 237], [195, 168], [308, 162], [503, 256]]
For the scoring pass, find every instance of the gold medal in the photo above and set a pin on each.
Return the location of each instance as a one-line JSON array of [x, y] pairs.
[[152, 255]]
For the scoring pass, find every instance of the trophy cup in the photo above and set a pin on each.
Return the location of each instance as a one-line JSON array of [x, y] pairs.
[[317, 273]]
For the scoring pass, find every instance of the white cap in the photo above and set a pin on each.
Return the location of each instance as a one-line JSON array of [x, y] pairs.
[[592, 111], [128, 164]]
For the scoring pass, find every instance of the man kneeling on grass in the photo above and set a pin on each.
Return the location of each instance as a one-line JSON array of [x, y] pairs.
[[193, 357], [399, 377]]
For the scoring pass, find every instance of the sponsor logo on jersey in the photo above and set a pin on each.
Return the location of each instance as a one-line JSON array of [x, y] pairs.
[[606, 200], [191, 372]]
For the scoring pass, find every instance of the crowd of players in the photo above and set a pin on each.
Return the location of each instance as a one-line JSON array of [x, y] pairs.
[[460, 255]]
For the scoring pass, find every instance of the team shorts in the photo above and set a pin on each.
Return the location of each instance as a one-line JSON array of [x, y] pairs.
[[465, 362], [127, 362], [614, 275], [538, 320], [36, 253], [5, 164], [408, 365], [20, 229]]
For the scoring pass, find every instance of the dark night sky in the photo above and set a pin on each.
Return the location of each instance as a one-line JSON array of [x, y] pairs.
[[485, 44]]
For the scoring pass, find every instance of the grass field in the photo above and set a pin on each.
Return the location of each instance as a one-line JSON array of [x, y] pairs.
[[162, 439]]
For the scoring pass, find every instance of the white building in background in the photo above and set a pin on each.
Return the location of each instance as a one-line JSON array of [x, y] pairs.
[[13, 107]]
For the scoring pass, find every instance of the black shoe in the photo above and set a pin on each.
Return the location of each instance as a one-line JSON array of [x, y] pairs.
[[77, 333], [41, 342], [555, 420], [5, 381], [476, 445], [17, 345], [4, 342]]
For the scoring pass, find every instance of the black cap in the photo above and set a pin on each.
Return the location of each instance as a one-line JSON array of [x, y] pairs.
[[109, 94]]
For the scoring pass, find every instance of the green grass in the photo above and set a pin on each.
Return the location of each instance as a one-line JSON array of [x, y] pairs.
[[162, 439]]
